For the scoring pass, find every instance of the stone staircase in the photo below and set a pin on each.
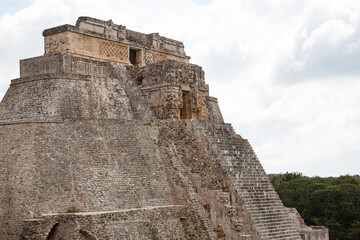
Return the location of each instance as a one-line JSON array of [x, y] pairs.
[[242, 167]]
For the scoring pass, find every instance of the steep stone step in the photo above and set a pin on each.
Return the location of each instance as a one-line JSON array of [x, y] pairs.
[[248, 177]]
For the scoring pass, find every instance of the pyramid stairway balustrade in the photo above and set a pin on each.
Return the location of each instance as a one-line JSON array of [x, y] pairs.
[[248, 177]]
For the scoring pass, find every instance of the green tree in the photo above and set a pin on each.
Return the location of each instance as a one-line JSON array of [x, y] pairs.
[[333, 202], [296, 192], [354, 231]]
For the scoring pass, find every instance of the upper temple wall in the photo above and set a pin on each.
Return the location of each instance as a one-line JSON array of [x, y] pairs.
[[106, 41]]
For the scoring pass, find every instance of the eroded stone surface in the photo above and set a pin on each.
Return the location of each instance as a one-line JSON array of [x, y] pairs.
[[99, 143], [104, 40]]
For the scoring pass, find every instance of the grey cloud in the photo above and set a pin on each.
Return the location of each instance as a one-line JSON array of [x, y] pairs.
[[321, 61]]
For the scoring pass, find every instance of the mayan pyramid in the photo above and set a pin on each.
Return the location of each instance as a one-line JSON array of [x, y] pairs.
[[112, 134]]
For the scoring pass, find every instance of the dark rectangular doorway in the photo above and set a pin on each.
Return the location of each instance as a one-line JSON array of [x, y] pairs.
[[186, 110], [132, 56]]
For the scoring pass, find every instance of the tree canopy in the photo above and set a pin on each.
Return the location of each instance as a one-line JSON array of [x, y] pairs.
[[332, 202]]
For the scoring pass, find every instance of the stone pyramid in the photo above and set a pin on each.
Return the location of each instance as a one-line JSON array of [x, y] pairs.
[[112, 134]]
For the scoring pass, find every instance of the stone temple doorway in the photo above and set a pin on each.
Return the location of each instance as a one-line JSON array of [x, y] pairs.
[[132, 56], [186, 110], [135, 56]]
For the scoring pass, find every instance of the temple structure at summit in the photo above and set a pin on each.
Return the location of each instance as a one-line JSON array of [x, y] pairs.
[[112, 134]]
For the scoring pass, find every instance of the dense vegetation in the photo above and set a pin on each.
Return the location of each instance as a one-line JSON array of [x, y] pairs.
[[331, 202]]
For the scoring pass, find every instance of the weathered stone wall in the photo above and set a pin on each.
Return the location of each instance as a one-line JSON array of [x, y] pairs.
[[90, 166], [213, 112], [315, 233], [174, 90], [257, 211], [188, 145], [73, 87], [308, 232], [104, 40], [64, 63], [164, 222], [135, 164]]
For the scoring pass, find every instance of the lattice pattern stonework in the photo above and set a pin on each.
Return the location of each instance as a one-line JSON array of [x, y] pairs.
[[114, 50], [154, 57]]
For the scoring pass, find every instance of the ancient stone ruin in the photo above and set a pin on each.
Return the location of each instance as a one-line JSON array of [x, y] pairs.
[[112, 134]]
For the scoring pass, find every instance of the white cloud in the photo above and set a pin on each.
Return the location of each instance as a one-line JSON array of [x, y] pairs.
[[285, 71], [325, 44], [329, 34], [312, 123]]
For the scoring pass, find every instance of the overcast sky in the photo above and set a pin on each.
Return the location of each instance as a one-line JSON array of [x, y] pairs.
[[286, 72]]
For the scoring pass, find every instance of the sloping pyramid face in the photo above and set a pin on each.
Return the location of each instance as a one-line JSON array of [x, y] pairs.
[[113, 146]]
